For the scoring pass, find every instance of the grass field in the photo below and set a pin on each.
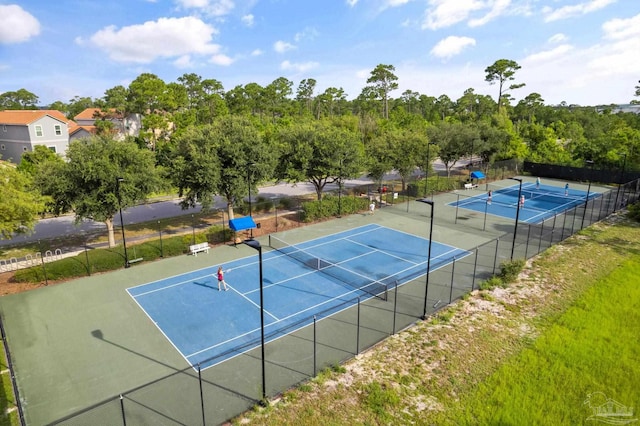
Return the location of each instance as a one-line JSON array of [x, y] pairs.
[[530, 353]]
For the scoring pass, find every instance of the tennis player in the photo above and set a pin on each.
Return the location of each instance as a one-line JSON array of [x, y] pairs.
[[221, 280]]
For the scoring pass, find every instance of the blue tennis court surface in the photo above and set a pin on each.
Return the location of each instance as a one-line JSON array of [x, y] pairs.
[[202, 322], [540, 203]]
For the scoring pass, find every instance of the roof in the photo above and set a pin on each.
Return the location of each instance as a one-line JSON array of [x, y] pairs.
[[25, 117], [74, 128], [94, 113]]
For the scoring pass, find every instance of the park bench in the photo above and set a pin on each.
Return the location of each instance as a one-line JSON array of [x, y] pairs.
[[194, 249]]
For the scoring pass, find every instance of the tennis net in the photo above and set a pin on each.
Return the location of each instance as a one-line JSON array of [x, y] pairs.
[[345, 276], [534, 194]]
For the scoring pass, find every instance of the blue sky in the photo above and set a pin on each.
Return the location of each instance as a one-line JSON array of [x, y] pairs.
[[578, 51]]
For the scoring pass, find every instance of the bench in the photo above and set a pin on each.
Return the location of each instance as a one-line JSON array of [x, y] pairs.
[[470, 186], [194, 249]]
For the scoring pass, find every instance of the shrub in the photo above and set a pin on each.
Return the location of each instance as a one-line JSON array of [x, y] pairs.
[[509, 270], [634, 211]]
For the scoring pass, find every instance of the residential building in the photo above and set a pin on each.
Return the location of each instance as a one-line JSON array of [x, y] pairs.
[[22, 130], [123, 126]]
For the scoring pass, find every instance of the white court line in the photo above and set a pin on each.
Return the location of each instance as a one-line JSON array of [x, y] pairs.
[[347, 306]]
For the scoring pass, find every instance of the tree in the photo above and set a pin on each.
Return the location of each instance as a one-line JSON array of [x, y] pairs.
[[78, 104], [318, 152], [453, 140], [220, 158], [384, 81], [637, 94], [21, 203], [502, 70], [304, 94], [31, 161], [87, 182], [20, 99]]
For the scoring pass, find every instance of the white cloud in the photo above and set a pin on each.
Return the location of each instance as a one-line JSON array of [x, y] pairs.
[[575, 10], [248, 20], [309, 33], [498, 8], [210, 7], [298, 67], [257, 52], [16, 24], [282, 46], [548, 55], [451, 46], [164, 38], [622, 28], [444, 13], [222, 60], [557, 38], [352, 2], [183, 61]]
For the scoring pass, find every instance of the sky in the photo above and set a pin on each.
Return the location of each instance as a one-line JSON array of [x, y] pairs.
[[584, 52]]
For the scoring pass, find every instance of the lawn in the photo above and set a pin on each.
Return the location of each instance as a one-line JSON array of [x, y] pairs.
[[530, 353]]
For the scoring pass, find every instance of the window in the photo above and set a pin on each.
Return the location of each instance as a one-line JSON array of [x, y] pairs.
[[24, 149], [58, 130], [2, 147], [52, 148], [39, 131], [4, 127]]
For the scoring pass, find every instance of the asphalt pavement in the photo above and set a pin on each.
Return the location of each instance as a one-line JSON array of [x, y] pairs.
[[65, 225]]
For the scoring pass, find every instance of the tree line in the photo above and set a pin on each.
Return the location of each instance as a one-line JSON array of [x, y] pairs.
[[201, 140]]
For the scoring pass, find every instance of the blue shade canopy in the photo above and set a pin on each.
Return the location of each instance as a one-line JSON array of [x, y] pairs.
[[477, 175], [242, 223]]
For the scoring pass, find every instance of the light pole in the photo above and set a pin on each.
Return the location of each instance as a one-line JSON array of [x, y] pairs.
[[586, 199], [515, 229], [124, 241], [340, 190], [426, 172], [249, 165], [426, 288], [255, 244], [624, 163]]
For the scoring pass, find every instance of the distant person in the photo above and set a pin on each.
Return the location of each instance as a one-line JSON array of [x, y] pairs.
[[538, 182], [522, 201], [566, 189], [221, 281], [372, 207], [489, 196]]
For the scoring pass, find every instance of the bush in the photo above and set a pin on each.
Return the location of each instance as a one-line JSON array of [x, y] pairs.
[[634, 211], [509, 271], [330, 205]]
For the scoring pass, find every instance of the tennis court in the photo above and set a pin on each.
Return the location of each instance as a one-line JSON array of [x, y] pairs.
[[540, 203], [310, 278]]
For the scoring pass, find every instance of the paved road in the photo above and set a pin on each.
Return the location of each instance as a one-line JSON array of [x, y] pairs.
[[65, 225]]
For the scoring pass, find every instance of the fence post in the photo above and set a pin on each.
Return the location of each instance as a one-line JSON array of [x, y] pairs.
[[475, 266], [526, 246], [358, 330], [395, 306], [495, 257], [453, 268], [124, 418], [315, 343], [540, 241], [204, 423]]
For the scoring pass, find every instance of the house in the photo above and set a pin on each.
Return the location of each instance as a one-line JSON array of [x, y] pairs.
[[22, 130], [123, 126]]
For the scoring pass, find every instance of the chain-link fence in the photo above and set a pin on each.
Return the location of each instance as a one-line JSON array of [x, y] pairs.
[[213, 395]]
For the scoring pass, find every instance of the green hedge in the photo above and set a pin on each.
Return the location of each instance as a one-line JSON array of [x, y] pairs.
[[330, 205]]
